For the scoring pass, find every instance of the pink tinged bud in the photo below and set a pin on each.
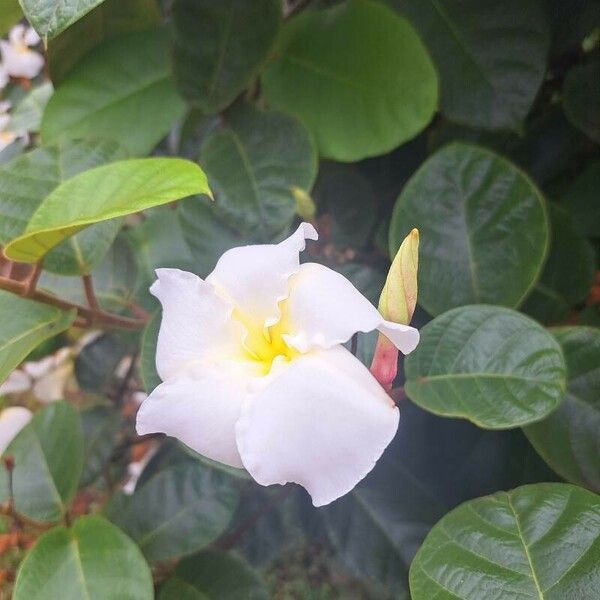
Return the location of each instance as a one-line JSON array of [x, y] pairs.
[[385, 362], [397, 304], [399, 296]]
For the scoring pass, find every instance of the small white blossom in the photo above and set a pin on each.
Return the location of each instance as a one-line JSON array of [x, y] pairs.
[[18, 60], [12, 420], [255, 375]]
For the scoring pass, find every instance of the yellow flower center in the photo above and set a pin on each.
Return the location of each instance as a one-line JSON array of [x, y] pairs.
[[262, 345]]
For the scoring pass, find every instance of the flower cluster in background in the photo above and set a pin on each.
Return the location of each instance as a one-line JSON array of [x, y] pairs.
[[19, 61]]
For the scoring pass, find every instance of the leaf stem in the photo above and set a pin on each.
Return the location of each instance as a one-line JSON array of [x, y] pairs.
[[85, 316]]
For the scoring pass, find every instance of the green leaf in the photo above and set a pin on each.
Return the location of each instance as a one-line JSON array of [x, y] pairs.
[[219, 47], [568, 439], [27, 115], [101, 427], [377, 528], [483, 225], [114, 279], [207, 234], [97, 362], [10, 14], [357, 75], [111, 18], [252, 163], [28, 179], [581, 97], [91, 559], [48, 455], [491, 365], [180, 510], [148, 373], [120, 91], [581, 199], [561, 286], [349, 199], [107, 192], [158, 242], [539, 541], [50, 17], [25, 325], [213, 575], [490, 56]]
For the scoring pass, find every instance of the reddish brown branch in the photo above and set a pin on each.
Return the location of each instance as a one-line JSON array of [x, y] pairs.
[[85, 315], [90, 295]]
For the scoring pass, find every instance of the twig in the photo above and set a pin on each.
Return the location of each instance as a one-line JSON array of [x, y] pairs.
[[296, 8], [90, 296], [31, 281], [102, 318]]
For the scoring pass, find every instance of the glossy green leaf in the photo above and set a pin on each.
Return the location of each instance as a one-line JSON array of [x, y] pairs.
[[568, 439], [432, 465], [114, 280], [148, 372], [101, 427], [28, 179], [483, 229], [10, 14], [96, 363], [27, 115], [180, 510], [158, 242], [120, 91], [538, 541], [105, 193], [92, 559], [219, 47], [48, 456], [561, 286], [109, 19], [50, 17], [491, 365], [213, 575], [581, 200], [252, 163], [207, 233], [357, 75], [25, 325], [581, 98], [490, 56]]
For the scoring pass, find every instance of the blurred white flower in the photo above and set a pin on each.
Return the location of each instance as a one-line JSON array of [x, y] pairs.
[[18, 60], [255, 374], [12, 420], [6, 137], [47, 378], [3, 77]]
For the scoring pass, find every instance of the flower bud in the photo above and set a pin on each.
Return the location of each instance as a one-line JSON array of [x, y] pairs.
[[305, 205], [399, 296]]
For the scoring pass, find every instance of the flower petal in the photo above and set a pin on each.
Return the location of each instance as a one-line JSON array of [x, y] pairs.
[[12, 420], [20, 63], [31, 37], [255, 278], [18, 381], [195, 324], [201, 412], [324, 309], [322, 422]]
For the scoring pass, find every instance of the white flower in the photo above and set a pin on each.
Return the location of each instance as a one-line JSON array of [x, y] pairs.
[[47, 378], [7, 137], [3, 77], [17, 59], [12, 420], [255, 375]]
